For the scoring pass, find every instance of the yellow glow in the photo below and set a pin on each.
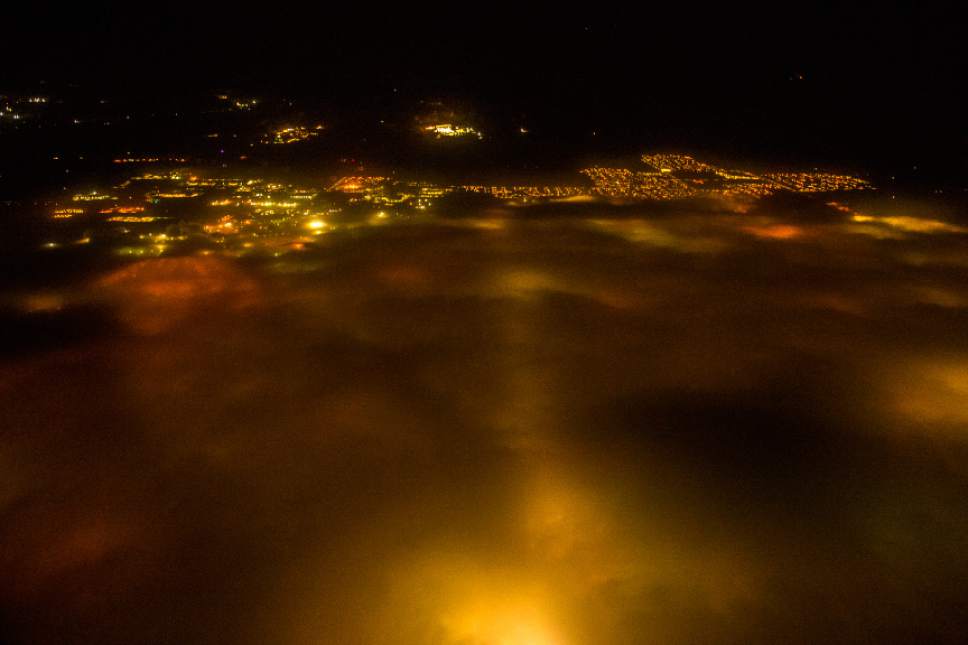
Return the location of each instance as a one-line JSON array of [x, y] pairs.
[[292, 134], [130, 219], [93, 196], [497, 622], [644, 232], [450, 130], [912, 224], [175, 195], [933, 391]]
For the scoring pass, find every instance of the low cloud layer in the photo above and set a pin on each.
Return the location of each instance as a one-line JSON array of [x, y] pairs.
[[601, 426]]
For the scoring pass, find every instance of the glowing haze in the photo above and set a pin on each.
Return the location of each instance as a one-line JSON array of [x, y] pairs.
[[568, 426]]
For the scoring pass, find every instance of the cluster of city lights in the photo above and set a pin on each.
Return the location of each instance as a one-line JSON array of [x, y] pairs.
[[292, 134], [252, 214], [677, 176], [238, 103], [451, 130]]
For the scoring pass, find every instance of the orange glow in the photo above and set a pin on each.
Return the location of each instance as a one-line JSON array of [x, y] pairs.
[[156, 294], [126, 210], [226, 225], [775, 231]]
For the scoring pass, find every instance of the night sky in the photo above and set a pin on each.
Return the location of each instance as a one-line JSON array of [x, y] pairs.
[[882, 85]]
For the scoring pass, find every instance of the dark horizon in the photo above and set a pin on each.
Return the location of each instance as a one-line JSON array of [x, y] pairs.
[[860, 85]]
